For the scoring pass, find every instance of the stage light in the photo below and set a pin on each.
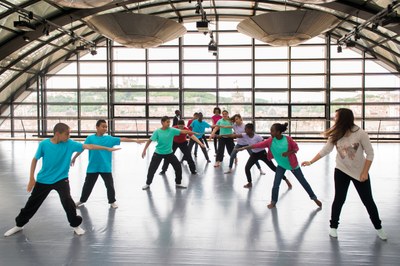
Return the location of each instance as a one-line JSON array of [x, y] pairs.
[[202, 26], [24, 25]]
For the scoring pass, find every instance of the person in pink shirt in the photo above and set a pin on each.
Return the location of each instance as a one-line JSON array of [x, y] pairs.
[[215, 118]]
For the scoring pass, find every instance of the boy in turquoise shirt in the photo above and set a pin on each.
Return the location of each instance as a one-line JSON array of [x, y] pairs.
[[164, 137], [100, 163], [56, 153]]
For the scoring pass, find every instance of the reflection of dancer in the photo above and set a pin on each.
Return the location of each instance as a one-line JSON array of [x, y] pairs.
[[100, 163], [56, 153], [181, 143], [164, 137], [283, 148], [250, 138], [351, 165]]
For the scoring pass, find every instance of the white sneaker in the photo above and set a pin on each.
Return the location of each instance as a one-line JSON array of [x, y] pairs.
[[13, 230], [333, 232], [78, 204], [114, 205], [262, 172], [78, 230], [146, 187], [180, 186], [382, 234]]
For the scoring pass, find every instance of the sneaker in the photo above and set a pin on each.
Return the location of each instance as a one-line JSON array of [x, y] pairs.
[[78, 230], [180, 186], [333, 232], [146, 187], [262, 172], [162, 173], [319, 203], [78, 204], [229, 171], [194, 173], [208, 161], [13, 230], [114, 205], [248, 185], [217, 164], [382, 234]]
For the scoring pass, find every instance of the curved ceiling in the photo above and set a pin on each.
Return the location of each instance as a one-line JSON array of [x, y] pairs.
[[60, 30]]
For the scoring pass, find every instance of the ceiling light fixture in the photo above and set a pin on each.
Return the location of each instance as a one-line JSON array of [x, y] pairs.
[[24, 24]]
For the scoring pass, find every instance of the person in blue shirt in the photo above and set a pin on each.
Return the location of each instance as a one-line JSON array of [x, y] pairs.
[[199, 126], [100, 163], [56, 155]]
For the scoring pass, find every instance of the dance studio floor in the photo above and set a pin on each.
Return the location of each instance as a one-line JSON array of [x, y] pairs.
[[215, 221]]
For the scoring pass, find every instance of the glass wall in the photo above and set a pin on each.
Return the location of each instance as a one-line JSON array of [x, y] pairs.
[[134, 88]]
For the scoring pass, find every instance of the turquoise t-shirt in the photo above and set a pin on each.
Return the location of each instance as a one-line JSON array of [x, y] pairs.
[[56, 159], [279, 146], [224, 131], [100, 160], [164, 139], [199, 127]]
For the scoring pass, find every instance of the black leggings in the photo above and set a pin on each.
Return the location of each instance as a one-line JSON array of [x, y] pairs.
[[255, 157], [342, 182], [39, 194]]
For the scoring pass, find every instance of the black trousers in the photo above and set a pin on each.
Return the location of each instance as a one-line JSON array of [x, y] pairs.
[[90, 181], [222, 142], [342, 182], [155, 162], [192, 142], [186, 156], [255, 157], [196, 145], [39, 193]]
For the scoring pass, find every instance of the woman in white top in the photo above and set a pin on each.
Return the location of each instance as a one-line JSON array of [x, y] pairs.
[[351, 165]]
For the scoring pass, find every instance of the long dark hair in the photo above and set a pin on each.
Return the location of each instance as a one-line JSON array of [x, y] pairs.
[[343, 124]]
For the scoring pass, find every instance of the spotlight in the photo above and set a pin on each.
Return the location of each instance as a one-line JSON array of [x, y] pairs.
[[390, 21], [26, 38], [339, 49], [81, 48], [350, 44], [212, 47], [24, 25], [202, 26], [93, 51]]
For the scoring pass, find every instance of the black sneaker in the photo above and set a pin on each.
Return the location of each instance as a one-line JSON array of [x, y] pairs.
[[162, 173], [194, 173]]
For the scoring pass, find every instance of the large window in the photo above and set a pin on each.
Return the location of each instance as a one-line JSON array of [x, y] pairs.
[[134, 88]]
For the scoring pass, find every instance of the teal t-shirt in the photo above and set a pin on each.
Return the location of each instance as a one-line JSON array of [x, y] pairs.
[[100, 160], [56, 159], [224, 131], [199, 127], [164, 139], [279, 146]]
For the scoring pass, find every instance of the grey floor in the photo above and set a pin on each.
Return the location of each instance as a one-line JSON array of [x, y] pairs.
[[214, 222]]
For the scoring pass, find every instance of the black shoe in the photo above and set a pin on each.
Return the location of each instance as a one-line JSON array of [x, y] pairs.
[[194, 173], [162, 173]]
